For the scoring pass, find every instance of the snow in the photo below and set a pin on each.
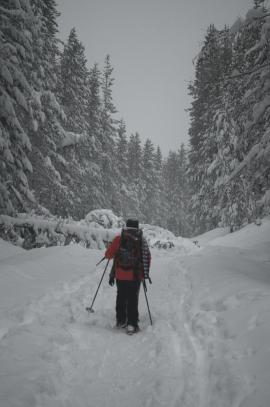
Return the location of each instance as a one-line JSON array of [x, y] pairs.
[[211, 235], [35, 125], [161, 238], [98, 228], [103, 218], [4, 72], [20, 98], [250, 237], [71, 139], [208, 346], [259, 108], [235, 28], [8, 250], [255, 13]]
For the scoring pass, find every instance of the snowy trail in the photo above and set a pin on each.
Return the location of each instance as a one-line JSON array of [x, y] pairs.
[[54, 354], [107, 368], [76, 359], [208, 347]]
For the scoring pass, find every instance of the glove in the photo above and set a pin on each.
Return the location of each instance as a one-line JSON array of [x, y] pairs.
[[111, 281]]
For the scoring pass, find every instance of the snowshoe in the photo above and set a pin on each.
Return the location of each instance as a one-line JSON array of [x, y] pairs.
[[130, 330]]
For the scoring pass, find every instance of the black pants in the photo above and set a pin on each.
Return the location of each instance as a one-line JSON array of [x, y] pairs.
[[127, 300]]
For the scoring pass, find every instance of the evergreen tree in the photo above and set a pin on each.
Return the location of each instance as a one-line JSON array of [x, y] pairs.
[[46, 132], [77, 146], [172, 191], [184, 226], [134, 159], [149, 183], [133, 185], [94, 102], [108, 108], [17, 30], [248, 182], [229, 160], [108, 135], [121, 150], [177, 194], [126, 195], [73, 84], [213, 64], [91, 144], [161, 204]]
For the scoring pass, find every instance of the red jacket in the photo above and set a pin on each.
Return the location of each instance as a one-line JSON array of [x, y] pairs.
[[121, 274]]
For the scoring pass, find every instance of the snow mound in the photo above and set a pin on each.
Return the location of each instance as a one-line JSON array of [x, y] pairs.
[[229, 313], [207, 237], [104, 218], [96, 231], [160, 238], [8, 250], [39, 231], [249, 237]]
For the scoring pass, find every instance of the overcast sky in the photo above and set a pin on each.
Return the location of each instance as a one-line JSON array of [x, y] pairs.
[[152, 44]]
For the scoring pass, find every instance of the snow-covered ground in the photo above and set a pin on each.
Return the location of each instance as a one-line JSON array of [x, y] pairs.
[[208, 347]]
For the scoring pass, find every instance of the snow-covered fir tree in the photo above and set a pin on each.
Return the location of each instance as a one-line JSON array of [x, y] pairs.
[[121, 149], [73, 83], [92, 143], [127, 199], [108, 135], [252, 170], [18, 26], [62, 147], [229, 155], [207, 92], [161, 204], [148, 182], [176, 190], [46, 129], [73, 92]]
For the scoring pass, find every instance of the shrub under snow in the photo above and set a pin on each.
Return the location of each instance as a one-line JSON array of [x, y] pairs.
[[95, 231]]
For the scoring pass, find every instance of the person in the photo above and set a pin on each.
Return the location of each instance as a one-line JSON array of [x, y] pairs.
[[131, 265]]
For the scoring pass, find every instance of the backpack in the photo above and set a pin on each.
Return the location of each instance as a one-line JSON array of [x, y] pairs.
[[129, 254]]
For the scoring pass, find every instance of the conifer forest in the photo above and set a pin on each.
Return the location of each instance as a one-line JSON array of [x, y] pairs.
[[63, 151]]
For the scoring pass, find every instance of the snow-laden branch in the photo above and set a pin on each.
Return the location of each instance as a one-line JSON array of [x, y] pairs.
[[254, 152], [71, 139]]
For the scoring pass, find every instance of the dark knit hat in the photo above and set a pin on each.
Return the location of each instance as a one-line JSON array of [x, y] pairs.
[[132, 223]]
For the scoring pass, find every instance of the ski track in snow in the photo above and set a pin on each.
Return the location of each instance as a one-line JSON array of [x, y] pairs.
[[76, 359]]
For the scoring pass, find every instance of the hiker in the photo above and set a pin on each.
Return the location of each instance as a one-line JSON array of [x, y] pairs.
[[131, 265]]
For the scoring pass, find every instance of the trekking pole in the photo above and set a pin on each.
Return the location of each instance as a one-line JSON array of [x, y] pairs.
[[90, 309], [100, 261], [145, 289]]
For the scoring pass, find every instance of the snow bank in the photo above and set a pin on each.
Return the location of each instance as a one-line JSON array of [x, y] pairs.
[[95, 231], [39, 231], [8, 250], [160, 238], [229, 312], [104, 218], [252, 236], [211, 235]]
